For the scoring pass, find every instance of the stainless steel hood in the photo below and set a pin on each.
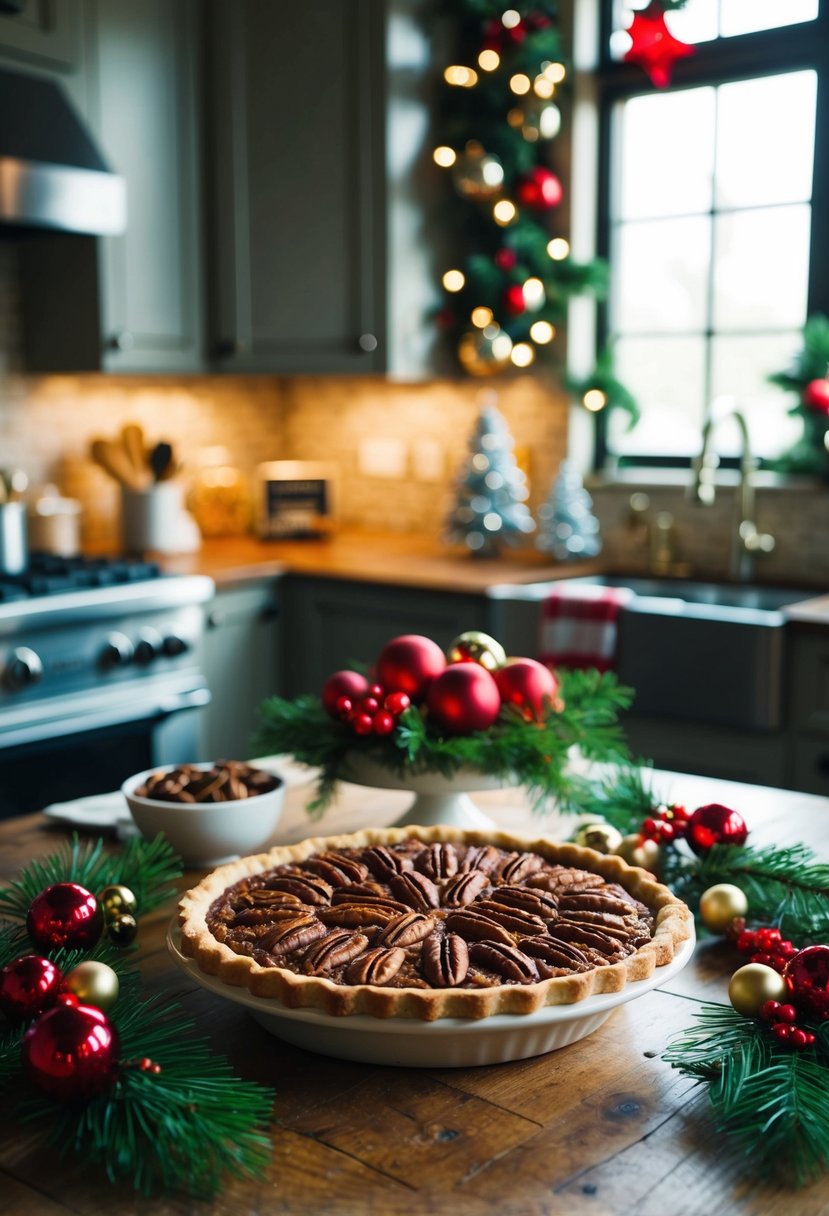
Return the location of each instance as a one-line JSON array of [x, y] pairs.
[[51, 173]]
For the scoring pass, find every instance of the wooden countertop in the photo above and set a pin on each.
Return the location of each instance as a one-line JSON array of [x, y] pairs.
[[601, 1127]]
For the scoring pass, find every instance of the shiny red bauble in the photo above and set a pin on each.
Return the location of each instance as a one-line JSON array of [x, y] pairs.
[[514, 302], [463, 699], [528, 685], [714, 824], [28, 986], [816, 395], [71, 1052], [349, 684], [65, 914], [409, 664], [540, 189], [808, 976]]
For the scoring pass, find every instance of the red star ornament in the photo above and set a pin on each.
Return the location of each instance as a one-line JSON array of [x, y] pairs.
[[653, 46]]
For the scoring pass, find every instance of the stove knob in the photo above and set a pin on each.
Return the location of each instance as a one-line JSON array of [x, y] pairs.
[[173, 646], [118, 650], [148, 646], [22, 669]]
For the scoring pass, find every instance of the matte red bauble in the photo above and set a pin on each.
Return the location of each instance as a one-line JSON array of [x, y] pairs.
[[70, 1052], [808, 976], [463, 699], [65, 914], [816, 396], [528, 685], [505, 259], [714, 824], [28, 986], [409, 664], [350, 684], [540, 189]]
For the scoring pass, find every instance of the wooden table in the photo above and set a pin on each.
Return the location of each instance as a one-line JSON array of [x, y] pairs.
[[600, 1127]]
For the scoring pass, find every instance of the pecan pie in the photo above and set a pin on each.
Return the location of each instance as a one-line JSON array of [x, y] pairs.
[[429, 923]]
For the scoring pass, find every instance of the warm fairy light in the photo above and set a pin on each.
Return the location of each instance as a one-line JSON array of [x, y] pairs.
[[542, 332], [504, 212], [515, 118], [462, 77], [501, 346], [454, 280], [533, 293], [542, 87], [510, 19], [522, 354], [489, 60], [550, 121], [481, 316], [555, 72], [445, 157], [558, 249], [520, 83], [594, 400]]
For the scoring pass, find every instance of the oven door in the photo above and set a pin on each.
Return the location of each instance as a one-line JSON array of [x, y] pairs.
[[90, 744]]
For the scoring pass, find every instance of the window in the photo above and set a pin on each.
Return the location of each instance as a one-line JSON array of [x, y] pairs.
[[715, 203]]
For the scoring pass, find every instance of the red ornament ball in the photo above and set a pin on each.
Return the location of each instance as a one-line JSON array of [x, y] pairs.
[[808, 976], [528, 685], [28, 986], [464, 699], [816, 396], [514, 302], [65, 914], [540, 190], [505, 259], [348, 684], [409, 664], [714, 824], [71, 1052]]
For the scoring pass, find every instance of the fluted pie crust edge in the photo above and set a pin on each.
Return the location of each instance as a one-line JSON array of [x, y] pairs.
[[672, 925]]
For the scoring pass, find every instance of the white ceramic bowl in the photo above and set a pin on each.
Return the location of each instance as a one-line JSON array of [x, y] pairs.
[[206, 833]]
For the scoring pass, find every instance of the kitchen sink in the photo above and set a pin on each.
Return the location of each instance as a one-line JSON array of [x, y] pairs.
[[693, 651]]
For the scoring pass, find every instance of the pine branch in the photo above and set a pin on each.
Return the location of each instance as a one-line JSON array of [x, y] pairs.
[[624, 797]]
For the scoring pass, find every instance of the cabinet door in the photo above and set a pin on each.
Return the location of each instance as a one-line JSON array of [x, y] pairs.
[[241, 664], [41, 32], [297, 233], [144, 57], [329, 625]]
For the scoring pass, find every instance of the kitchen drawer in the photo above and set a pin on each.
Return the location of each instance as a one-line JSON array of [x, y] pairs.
[[758, 758], [809, 680]]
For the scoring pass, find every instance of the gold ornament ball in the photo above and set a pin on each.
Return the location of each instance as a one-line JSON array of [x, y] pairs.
[[122, 930], [602, 837], [753, 985], [478, 176], [477, 647], [93, 984], [637, 851], [117, 900], [720, 905]]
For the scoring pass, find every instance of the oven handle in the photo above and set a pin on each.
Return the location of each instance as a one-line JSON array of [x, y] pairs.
[[163, 707]]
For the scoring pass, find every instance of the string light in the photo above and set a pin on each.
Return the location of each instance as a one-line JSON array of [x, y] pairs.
[[510, 18], [520, 83], [501, 345], [445, 157], [481, 316], [533, 293], [489, 60], [504, 212], [542, 332], [460, 76], [522, 354], [594, 400], [558, 249], [542, 87], [454, 280], [555, 72]]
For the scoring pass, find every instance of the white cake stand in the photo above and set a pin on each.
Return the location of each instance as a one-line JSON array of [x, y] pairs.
[[437, 799]]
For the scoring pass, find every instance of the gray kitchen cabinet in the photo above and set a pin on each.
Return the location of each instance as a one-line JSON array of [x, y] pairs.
[[241, 662], [297, 184], [329, 624], [809, 709], [41, 33]]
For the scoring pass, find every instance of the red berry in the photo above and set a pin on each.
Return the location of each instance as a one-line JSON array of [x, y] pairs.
[[67, 998], [679, 813], [747, 941], [369, 705], [810, 1038], [650, 829], [383, 723], [798, 1038], [768, 1009], [786, 1013], [376, 690], [787, 949], [344, 707], [782, 1031], [666, 832], [768, 938], [362, 724], [397, 702], [760, 956]]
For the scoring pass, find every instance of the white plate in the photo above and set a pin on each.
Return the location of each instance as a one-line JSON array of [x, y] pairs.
[[446, 1043]]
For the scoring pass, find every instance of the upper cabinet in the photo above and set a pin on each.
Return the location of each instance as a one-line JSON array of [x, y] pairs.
[[296, 113], [40, 32]]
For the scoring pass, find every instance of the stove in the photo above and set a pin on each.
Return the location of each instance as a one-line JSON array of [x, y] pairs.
[[100, 675]]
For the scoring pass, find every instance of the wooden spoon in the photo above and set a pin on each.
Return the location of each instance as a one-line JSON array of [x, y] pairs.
[[114, 460], [132, 438]]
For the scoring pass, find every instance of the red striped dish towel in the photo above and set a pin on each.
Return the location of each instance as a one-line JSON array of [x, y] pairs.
[[579, 625]]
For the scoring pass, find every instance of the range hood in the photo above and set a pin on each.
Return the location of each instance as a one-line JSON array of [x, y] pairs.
[[52, 175]]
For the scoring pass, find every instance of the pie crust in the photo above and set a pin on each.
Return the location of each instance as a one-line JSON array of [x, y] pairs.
[[560, 899]]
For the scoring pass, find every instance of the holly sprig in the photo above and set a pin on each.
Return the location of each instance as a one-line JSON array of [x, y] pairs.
[[532, 753]]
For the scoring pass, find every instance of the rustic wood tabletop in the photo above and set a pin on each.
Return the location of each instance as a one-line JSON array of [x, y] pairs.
[[602, 1126]]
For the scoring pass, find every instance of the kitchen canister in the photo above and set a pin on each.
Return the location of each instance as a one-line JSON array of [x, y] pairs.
[[55, 525], [14, 541], [155, 520]]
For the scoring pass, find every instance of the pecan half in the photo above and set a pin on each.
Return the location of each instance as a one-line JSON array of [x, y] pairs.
[[481, 857], [333, 951], [594, 901], [415, 890], [291, 935], [519, 866], [540, 903], [307, 887], [353, 916], [465, 888], [602, 943], [507, 961], [349, 868], [445, 960], [406, 930], [556, 954], [383, 862], [514, 919], [476, 927], [267, 916], [375, 966], [439, 861]]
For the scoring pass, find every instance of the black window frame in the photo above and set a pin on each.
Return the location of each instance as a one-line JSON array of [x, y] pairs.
[[741, 57]]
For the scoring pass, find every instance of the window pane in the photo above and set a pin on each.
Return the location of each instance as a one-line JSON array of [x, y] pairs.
[[761, 270], [740, 369], [697, 22], [766, 140], [745, 16], [667, 143], [659, 275], [667, 377]]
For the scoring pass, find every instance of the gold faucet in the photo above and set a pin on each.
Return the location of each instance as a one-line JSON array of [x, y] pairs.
[[748, 542]]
